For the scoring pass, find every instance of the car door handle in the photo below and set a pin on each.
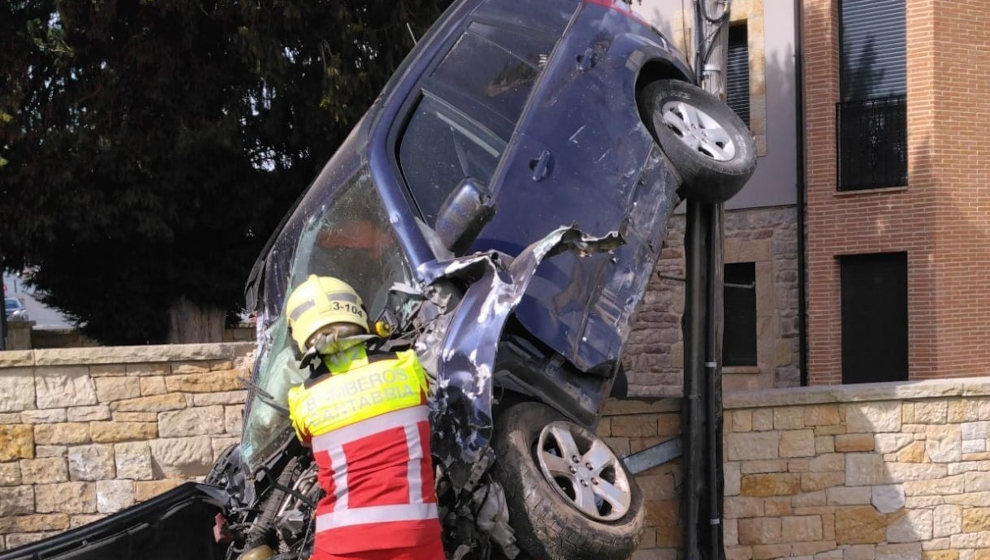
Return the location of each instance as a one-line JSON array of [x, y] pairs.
[[587, 60], [541, 166]]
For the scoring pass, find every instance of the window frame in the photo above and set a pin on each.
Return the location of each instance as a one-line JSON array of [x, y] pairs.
[[754, 364], [864, 162], [461, 119], [743, 27], [468, 106]]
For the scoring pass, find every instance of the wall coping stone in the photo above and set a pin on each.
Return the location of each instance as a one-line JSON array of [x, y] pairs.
[[861, 392], [16, 358], [818, 394], [823, 394], [100, 355]]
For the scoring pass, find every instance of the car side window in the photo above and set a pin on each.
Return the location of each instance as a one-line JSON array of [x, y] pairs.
[[439, 148], [489, 73], [549, 15]]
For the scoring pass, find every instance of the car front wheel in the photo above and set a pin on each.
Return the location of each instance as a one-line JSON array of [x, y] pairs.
[[569, 496], [709, 146]]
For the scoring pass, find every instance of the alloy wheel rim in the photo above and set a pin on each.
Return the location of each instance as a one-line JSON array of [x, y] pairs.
[[583, 470], [698, 130]]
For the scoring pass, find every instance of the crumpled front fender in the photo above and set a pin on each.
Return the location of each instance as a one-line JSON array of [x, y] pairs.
[[468, 336]]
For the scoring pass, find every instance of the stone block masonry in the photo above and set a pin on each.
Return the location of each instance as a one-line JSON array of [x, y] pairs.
[[871, 472], [764, 237], [87, 432], [856, 472]]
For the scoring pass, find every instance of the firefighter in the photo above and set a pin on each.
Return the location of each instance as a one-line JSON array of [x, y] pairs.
[[364, 416]]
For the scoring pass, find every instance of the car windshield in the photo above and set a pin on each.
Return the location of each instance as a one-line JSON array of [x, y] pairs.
[[340, 231], [11, 304]]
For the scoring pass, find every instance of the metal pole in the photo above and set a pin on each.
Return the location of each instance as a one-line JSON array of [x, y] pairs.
[[800, 187], [716, 26], [713, 371], [3, 316], [694, 356], [703, 321]]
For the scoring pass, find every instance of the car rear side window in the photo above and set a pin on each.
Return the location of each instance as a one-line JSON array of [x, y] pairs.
[[440, 147], [550, 15], [485, 71]]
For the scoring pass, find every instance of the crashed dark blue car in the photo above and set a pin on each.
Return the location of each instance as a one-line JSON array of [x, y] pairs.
[[500, 209]]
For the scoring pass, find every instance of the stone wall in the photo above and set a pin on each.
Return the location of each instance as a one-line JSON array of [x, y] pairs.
[[767, 237], [23, 336], [18, 335], [86, 432], [856, 472]]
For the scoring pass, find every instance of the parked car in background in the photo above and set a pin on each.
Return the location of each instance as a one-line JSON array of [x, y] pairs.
[[14, 310]]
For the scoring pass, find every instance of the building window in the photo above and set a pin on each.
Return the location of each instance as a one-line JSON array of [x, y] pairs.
[[739, 338], [737, 71], [872, 115], [874, 317]]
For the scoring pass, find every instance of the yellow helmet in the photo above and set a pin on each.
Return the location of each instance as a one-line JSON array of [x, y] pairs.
[[321, 301]]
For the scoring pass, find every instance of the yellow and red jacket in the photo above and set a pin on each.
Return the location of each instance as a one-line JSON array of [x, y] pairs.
[[367, 422]]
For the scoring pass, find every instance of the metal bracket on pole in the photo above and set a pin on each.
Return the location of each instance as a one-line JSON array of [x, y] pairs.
[[653, 456]]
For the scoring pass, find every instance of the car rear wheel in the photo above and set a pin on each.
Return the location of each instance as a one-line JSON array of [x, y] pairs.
[[569, 495], [709, 146]]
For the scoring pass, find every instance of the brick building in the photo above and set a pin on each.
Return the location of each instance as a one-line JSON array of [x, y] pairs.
[[892, 185], [898, 206]]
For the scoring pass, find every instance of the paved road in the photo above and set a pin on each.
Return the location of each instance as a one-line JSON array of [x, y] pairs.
[[43, 316]]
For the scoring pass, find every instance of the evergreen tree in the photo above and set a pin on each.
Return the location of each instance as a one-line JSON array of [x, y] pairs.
[[149, 147]]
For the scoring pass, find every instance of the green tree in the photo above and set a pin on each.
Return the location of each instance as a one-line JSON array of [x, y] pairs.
[[149, 147]]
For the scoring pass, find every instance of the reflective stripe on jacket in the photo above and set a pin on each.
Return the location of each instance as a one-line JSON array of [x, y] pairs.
[[369, 432]]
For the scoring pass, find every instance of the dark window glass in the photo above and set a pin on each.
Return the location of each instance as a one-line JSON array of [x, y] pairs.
[[872, 48], [737, 72], [347, 235], [872, 137], [534, 48], [872, 116], [488, 73], [874, 317], [439, 148], [551, 16], [739, 338]]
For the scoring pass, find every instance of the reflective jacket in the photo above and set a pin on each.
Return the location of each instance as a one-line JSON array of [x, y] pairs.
[[367, 422]]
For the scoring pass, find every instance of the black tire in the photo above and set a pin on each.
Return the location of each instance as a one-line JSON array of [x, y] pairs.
[[709, 146], [547, 525]]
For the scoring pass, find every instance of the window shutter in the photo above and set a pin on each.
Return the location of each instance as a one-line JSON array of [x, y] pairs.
[[737, 72], [872, 48]]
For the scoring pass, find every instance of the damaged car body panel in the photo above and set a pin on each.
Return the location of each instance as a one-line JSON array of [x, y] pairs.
[[157, 528], [602, 166], [464, 363]]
